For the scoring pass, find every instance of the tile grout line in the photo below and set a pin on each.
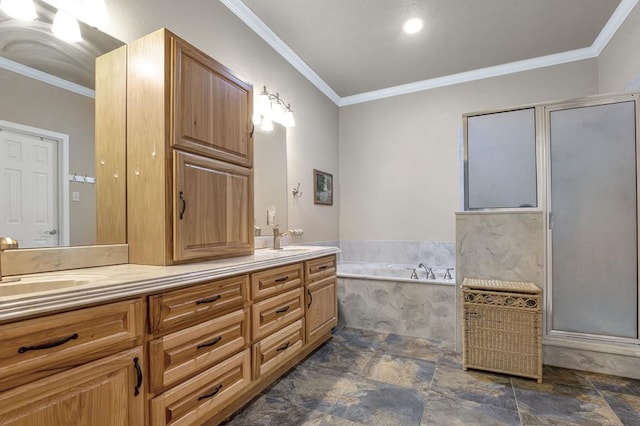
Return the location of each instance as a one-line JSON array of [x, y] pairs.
[[605, 400], [515, 397]]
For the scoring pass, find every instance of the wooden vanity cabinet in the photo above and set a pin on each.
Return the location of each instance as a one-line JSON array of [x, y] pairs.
[[321, 296], [189, 154], [83, 367], [322, 308]]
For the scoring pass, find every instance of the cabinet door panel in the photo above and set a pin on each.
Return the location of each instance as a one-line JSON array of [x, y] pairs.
[[101, 393], [322, 309], [213, 210], [212, 108], [34, 348]]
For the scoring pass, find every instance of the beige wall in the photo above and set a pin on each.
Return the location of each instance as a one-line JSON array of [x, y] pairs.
[[399, 156], [210, 26], [36, 104], [619, 62]]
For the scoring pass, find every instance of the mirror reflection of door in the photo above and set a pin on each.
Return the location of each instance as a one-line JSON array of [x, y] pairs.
[[29, 188]]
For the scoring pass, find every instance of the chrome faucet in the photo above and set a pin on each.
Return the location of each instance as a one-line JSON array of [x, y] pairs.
[[414, 275], [277, 236], [447, 275], [429, 271], [7, 243]]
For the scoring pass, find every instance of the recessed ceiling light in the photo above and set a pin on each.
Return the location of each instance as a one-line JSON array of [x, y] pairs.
[[412, 26]]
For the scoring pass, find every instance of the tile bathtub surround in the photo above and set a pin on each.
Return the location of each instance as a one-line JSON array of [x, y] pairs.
[[406, 381], [405, 308], [432, 253]]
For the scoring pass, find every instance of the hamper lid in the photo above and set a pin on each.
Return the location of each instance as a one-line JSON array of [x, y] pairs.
[[518, 286]]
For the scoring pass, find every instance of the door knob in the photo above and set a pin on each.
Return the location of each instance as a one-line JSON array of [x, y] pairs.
[[52, 232]]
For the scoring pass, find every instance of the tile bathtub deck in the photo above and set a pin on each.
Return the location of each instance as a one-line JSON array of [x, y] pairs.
[[365, 378]]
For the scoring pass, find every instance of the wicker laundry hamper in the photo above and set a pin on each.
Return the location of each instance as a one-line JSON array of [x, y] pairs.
[[502, 327]]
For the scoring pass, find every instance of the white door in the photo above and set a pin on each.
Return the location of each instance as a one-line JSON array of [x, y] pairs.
[[28, 189]]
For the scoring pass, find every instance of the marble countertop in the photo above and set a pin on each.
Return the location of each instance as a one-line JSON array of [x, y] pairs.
[[108, 283]]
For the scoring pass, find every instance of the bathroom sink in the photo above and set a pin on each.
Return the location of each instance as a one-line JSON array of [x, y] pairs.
[[289, 249], [44, 284]]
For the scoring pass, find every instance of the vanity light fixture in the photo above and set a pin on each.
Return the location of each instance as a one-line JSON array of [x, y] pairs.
[[24, 10], [271, 108]]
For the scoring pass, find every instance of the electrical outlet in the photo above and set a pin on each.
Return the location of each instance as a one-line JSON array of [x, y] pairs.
[[75, 196]]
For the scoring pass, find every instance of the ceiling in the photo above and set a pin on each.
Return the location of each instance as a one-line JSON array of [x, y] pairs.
[[355, 50], [33, 44]]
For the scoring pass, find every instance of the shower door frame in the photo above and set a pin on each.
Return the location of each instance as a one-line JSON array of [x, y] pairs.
[[622, 345]]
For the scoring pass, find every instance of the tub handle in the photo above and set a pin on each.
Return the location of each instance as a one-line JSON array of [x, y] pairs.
[[310, 298]]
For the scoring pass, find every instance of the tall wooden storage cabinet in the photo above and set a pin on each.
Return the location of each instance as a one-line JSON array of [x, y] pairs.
[[189, 155]]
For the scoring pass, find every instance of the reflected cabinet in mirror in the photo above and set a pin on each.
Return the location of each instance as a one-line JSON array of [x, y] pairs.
[[47, 132], [270, 180]]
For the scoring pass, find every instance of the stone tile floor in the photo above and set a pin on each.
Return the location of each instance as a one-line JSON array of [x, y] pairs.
[[364, 378]]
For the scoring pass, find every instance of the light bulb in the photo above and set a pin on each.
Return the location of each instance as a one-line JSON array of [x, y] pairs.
[[412, 26], [24, 10], [277, 112], [267, 125], [263, 104], [288, 120], [65, 27]]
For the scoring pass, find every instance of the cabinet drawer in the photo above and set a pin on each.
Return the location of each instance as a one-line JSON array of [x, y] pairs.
[[40, 347], [274, 281], [180, 354], [186, 305], [276, 312], [199, 398], [273, 351], [320, 268]]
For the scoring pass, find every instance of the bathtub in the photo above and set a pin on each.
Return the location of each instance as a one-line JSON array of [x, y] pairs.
[[384, 298], [393, 272]]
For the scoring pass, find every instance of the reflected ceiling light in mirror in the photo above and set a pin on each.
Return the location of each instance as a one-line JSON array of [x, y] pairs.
[[66, 27], [412, 26], [24, 10], [270, 108]]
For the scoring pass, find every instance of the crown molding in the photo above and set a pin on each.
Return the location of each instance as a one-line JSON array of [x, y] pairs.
[[617, 19], [465, 77], [46, 78], [245, 14], [259, 27]]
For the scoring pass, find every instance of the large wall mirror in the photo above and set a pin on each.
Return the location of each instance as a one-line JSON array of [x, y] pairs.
[[270, 179], [47, 132]]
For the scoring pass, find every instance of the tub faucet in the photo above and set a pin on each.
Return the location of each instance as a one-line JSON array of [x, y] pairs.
[[277, 236], [429, 271], [447, 275], [7, 243], [414, 275]]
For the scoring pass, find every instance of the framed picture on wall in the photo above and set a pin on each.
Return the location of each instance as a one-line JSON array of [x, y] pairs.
[[323, 188]]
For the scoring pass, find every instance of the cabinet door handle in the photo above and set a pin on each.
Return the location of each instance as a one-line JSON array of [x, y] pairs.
[[211, 343], [208, 299], [253, 129], [310, 298], [283, 279], [209, 395], [184, 205], [136, 391], [282, 310], [283, 347], [53, 344]]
